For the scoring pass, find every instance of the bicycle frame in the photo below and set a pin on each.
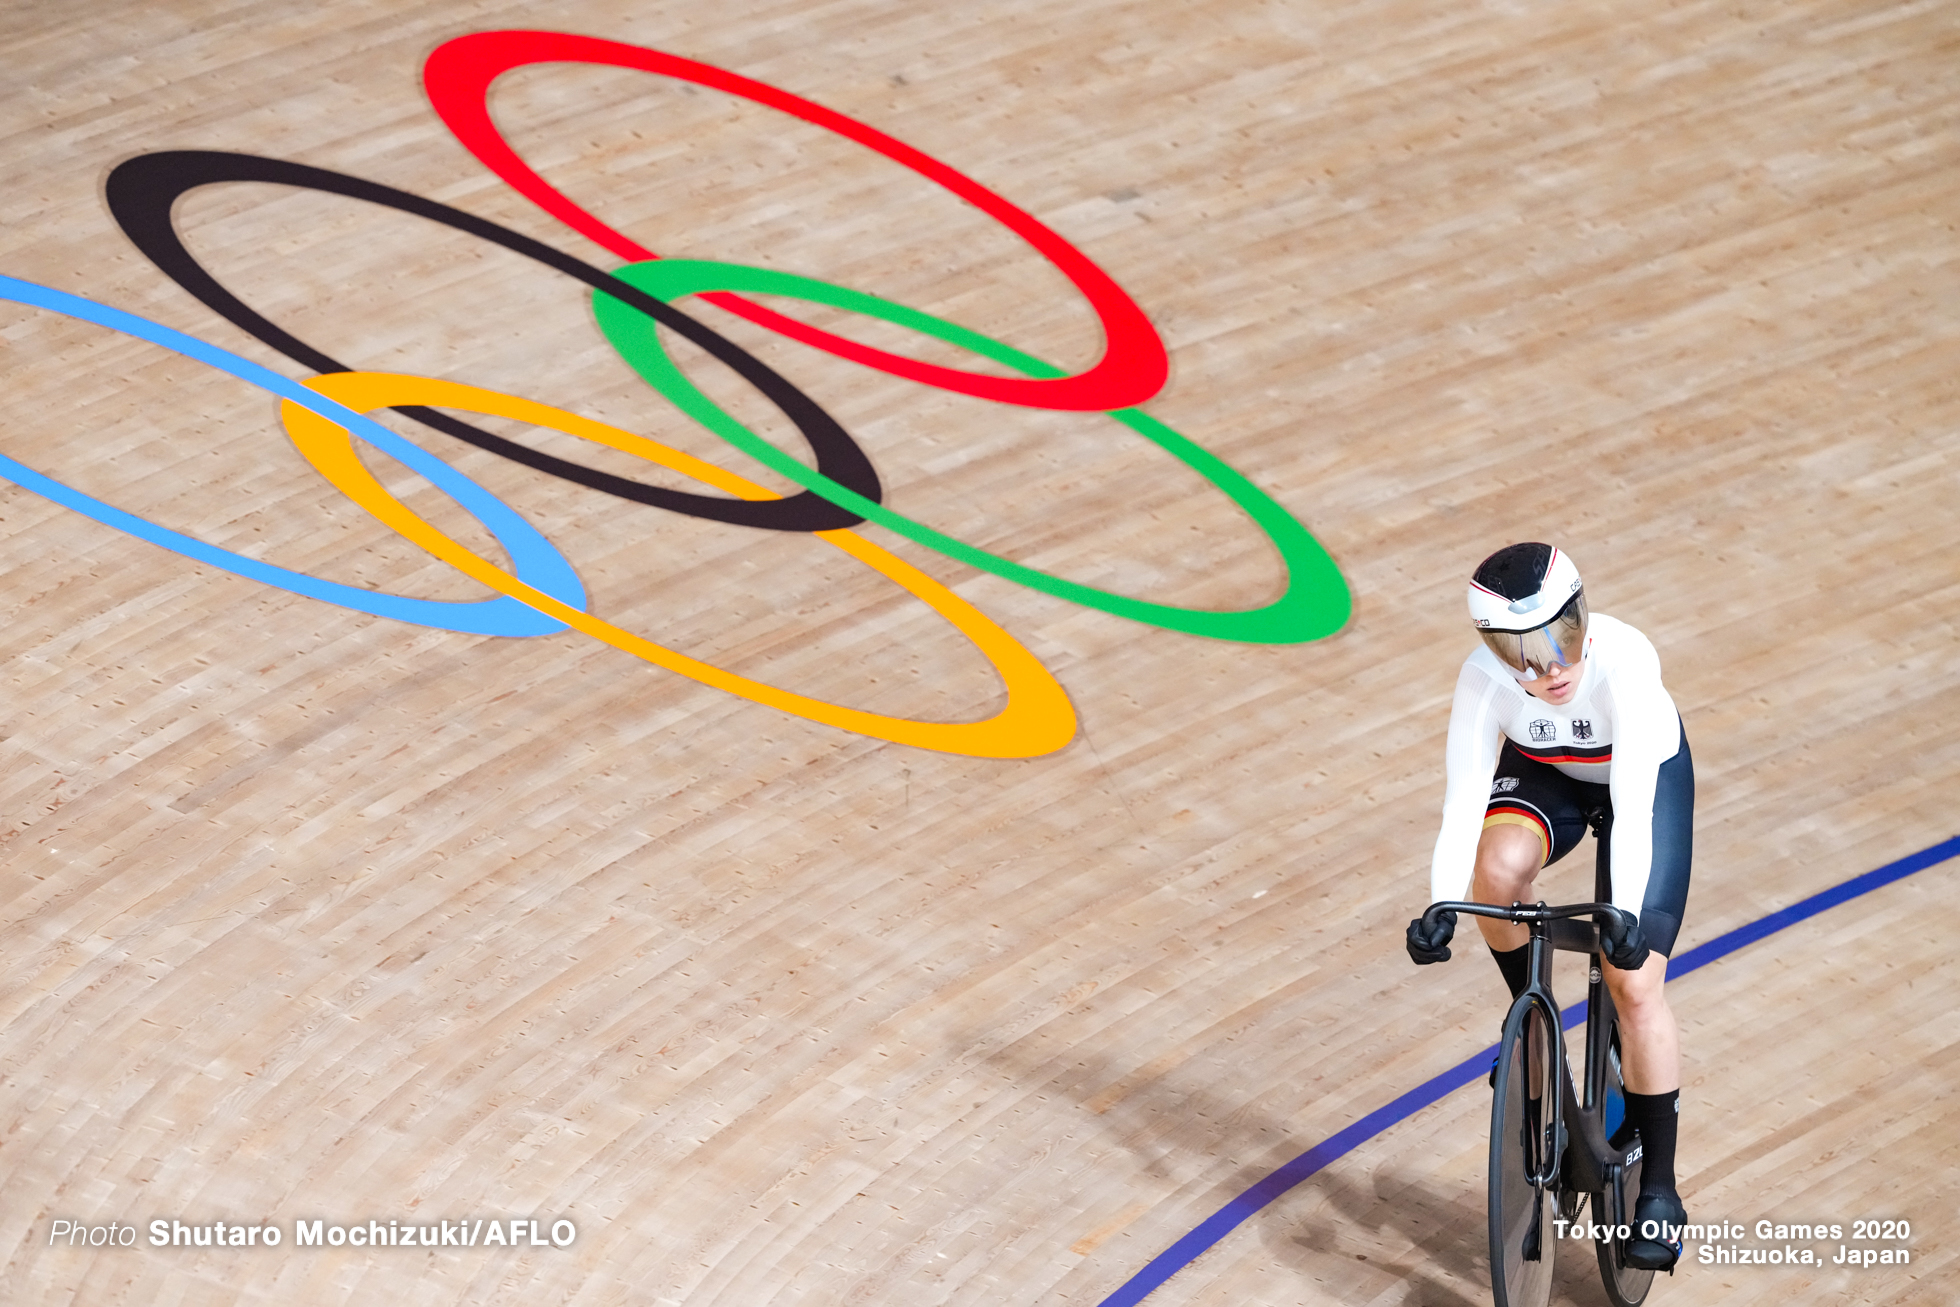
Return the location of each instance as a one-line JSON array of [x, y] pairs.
[[1554, 929], [1582, 1158]]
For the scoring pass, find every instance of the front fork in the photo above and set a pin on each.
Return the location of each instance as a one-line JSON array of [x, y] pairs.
[[1552, 1163]]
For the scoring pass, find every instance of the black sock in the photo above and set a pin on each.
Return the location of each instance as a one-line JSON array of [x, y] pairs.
[[1657, 1117], [1515, 963]]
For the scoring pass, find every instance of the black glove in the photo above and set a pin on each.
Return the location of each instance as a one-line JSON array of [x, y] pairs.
[[1431, 944], [1621, 941]]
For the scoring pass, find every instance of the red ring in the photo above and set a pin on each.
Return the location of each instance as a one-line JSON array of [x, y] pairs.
[[1133, 367]]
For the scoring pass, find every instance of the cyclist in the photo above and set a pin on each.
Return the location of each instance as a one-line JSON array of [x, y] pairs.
[[1558, 714]]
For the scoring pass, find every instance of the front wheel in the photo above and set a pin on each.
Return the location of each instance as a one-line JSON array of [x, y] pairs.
[[1524, 1160], [1626, 1286]]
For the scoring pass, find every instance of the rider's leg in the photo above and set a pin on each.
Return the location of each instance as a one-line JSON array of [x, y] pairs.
[[1650, 1040], [1650, 1064], [1508, 859], [1650, 1043], [1536, 815]]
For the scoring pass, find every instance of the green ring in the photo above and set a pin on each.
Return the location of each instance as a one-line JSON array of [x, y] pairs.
[[1316, 602]]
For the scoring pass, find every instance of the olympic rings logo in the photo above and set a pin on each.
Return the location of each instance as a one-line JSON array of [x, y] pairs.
[[540, 593]]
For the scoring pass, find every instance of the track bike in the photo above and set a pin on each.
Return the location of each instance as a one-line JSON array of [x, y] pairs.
[[1552, 1146]]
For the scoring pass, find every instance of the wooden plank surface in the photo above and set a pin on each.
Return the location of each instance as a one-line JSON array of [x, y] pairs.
[[315, 915]]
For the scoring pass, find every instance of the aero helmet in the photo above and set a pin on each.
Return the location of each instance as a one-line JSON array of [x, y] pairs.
[[1530, 609]]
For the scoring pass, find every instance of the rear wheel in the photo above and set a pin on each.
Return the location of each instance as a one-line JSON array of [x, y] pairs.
[[1626, 1286], [1524, 1161]]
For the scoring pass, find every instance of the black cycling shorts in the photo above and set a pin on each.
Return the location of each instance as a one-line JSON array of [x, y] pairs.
[[1541, 798]]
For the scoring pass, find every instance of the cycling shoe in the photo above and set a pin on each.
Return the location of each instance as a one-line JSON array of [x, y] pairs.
[[1655, 1244]]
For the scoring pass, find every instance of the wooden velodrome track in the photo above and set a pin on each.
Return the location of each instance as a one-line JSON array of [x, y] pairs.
[[316, 915]]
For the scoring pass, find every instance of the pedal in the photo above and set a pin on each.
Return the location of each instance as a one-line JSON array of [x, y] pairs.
[[1655, 1254], [1534, 1238]]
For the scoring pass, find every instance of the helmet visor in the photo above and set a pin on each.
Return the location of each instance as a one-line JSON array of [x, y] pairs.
[[1559, 643]]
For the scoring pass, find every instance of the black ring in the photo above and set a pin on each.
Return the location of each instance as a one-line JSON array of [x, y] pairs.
[[142, 191]]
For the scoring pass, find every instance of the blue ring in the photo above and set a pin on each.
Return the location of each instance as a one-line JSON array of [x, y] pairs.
[[535, 559]]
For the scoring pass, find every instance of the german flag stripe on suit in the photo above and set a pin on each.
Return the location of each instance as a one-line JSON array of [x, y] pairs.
[[1516, 812], [1572, 753]]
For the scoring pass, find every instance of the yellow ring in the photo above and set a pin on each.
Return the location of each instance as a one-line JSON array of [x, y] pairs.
[[1038, 717]]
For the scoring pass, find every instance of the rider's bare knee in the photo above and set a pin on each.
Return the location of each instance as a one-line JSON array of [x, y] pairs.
[[1508, 861], [1636, 993]]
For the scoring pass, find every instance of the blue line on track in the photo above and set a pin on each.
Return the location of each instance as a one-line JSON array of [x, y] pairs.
[[1234, 1213]]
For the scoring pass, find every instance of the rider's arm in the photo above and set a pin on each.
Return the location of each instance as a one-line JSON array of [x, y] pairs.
[[1470, 760], [1646, 733]]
